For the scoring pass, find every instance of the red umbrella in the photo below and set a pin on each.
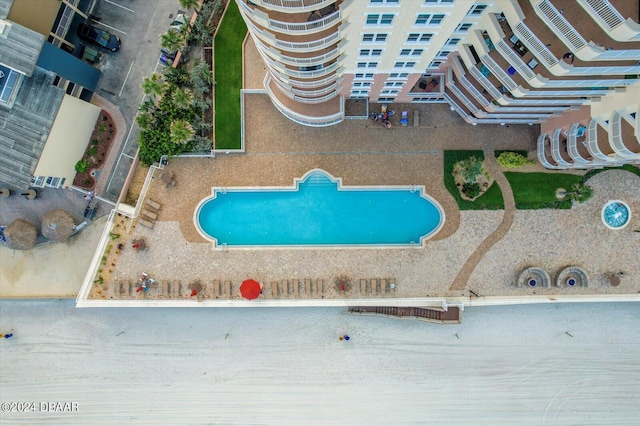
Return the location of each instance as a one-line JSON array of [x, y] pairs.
[[250, 289]]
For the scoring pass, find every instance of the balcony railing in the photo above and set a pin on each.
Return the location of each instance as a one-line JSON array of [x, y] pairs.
[[479, 97], [499, 72], [309, 45], [484, 81], [534, 44], [316, 60], [542, 158], [300, 118], [514, 59], [592, 141], [305, 27], [473, 108], [607, 14], [615, 138], [555, 149], [572, 144], [565, 30], [319, 100], [288, 5]]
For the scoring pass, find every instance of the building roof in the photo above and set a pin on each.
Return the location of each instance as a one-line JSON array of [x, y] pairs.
[[69, 67], [25, 127], [68, 139], [19, 47], [5, 7]]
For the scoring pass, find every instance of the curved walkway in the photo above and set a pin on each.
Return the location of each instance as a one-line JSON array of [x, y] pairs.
[[492, 166]]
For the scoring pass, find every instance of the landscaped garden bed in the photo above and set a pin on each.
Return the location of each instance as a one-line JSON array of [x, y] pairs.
[[487, 197], [88, 168]]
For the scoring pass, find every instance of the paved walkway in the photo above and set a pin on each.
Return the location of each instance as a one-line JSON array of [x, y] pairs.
[[492, 166]]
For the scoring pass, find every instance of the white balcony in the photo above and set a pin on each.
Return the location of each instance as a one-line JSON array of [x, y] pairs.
[[592, 142], [293, 5], [572, 145], [542, 158], [611, 21], [615, 138], [296, 28], [555, 149]]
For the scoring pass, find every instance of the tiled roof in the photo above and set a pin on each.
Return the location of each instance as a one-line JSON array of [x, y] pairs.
[[20, 47]]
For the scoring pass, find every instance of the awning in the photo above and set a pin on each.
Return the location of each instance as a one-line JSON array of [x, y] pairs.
[[69, 67]]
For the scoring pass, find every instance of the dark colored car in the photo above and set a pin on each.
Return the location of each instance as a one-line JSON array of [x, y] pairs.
[[98, 37]]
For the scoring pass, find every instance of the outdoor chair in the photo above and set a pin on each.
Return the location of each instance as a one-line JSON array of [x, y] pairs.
[[307, 286], [151, 215], [153, 204], [227, 289], [363, 286], [295, 284], [274, 289], [373, 286], [146, 223], [383, 286], [320, 287], [404, 120], [215, 289], [284, 287]]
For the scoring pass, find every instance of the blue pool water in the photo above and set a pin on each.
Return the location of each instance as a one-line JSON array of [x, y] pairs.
[[615, 214], [319, 213]]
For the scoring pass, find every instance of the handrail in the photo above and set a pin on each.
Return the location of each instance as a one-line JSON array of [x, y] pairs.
[[592, 141], [555, 149], [615, 137], [572, 144], [542, 158], [305, 27]]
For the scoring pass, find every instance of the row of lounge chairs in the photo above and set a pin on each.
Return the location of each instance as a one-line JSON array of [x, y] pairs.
[[218, 289], [149, 213]]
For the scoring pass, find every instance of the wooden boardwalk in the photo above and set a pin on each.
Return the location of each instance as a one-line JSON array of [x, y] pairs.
[[451, 316]]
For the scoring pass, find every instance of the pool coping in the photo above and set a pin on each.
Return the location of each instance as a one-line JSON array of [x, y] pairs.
[[340, 187]]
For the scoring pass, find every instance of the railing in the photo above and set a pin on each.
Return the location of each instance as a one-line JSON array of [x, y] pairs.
[[482, 100], [312, 74], [608, 15], [292, 60], [484, 81], [542, 158], [631, 69], [499, 72], [319, 100], [566, 93], [534, 44], [587, 83], [305, 27], [453, 104], [572, 145], [463, 98], [300, 118], [615, 137], [555, 149], [309, 45], [318, 92], [286, 5], [567, 33], [592, 141], [514, 59]]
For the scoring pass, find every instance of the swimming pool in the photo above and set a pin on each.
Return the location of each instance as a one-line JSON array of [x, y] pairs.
[[318, 211]]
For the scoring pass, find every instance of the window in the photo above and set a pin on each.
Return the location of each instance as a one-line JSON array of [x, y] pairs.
[[375, 19], [401, 75], [359, 92], [393, 84], [477, 9], [411, 52], [453, 41], [438, 1], [404, 64], [385, 1], [370, 52], [362, 75], [386, 100], [374, 38], [419, 38], [367, 65], [443, 54], [463, 28], [362, 84], [389, 92], [435, 64], [428, 19]]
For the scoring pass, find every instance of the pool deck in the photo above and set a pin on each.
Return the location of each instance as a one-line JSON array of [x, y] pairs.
[[475, 258]]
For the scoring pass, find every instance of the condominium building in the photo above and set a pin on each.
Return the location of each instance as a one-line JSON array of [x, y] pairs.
[[571, 66]]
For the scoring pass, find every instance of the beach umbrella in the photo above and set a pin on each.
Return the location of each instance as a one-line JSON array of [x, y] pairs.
[[196, 288], [250, 289], [20, 235], [57, 225]]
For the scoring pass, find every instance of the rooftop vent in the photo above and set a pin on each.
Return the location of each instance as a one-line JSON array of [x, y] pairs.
[[5, 26]]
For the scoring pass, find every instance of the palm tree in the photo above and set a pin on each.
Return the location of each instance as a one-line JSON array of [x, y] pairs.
[[172, 40], [181, 131], [188, 4], [471, 168], [580, 192], [153, 86], [144, 120], [182, 98]]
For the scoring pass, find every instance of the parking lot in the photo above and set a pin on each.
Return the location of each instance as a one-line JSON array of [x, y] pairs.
[[138, 23]]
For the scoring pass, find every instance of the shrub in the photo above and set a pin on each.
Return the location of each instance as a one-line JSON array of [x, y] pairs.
[[82, 166], [470, 168], [92, 151], [512, 160], [471, 189]]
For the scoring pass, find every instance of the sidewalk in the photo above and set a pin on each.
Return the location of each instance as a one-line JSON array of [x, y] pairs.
[[50, 271]]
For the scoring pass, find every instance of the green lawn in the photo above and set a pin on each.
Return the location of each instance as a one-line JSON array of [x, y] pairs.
[[538, 190], [228, 78], [490, 200]]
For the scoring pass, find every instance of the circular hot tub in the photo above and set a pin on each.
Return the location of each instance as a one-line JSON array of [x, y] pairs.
[[616, 214]]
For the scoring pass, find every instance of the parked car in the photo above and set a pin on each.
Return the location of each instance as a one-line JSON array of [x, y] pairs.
[[179, 25], [98, 37]]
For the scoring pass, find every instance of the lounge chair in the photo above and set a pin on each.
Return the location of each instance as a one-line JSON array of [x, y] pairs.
[[416, 118], [295, 283], [363, 286], [320, 287], [145, 223], [404, 118], [153, 204], [307, 286], [227, 289], [383, 286], [175, 289], [215, 289], [151, 215], [274, 289], [373, 285], [165, 289]]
